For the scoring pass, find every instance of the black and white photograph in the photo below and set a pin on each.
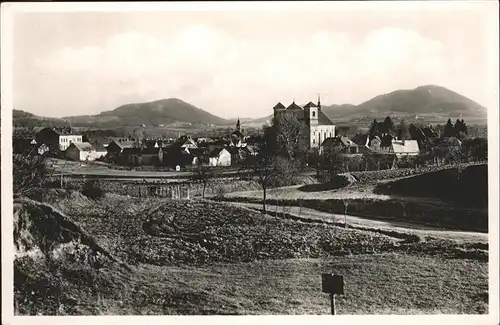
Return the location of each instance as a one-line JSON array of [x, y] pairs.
[[235, 158]]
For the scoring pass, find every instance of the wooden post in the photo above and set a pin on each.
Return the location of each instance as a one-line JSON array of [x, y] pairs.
[[332, 302]]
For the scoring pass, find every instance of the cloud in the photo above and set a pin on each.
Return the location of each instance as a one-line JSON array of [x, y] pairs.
[[235, 76]]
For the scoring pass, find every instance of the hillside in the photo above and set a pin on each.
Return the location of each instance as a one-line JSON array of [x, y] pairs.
[[160, 112], [428, 99], [430, 103], [120, 256], [21, 118]]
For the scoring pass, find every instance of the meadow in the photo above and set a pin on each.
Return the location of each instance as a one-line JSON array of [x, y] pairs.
[[162, 256]]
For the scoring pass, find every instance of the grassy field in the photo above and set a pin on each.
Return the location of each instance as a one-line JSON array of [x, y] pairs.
[[196, 257]]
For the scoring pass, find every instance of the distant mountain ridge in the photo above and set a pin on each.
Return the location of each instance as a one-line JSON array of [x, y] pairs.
[[159, 112], [431, 100]]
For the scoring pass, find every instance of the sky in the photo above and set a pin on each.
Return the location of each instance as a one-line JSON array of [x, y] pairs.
[[241, 62]]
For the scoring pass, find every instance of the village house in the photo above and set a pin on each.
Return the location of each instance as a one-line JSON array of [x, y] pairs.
[[85, 151], [142, 156], [116, 147], [42, 149], [60, 138], [174, 156], [343, 144], [319, 126], [220, 157], [200, 155], [405, 148], [186, 142]]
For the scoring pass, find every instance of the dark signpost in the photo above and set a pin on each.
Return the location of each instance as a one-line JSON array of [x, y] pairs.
[[334, 285]]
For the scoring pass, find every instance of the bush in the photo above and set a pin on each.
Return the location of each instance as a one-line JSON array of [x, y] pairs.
[[93, 190]]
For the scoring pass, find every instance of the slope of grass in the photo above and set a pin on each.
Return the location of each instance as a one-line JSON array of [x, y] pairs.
[[244, 271], [376, 284]]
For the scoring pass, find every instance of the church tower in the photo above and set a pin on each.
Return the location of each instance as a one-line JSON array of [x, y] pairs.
[[238, 125], [313, 113]]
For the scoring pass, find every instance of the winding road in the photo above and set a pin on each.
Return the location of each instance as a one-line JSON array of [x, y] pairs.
[[363, 222]]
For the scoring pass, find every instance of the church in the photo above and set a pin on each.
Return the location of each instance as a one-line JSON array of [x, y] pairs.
[[320, 127]]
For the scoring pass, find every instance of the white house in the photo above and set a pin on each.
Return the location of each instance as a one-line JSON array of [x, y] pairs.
[[65, 140], [219, 157], [85, 151], [61, 137], [403, 148]]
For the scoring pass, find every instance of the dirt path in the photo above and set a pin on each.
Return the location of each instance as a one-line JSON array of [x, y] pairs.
[[403, 227]]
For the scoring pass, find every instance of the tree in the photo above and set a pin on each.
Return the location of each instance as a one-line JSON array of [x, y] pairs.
[[414, 134], [266, 168], [28, 173], [460, 129], [29, 168], [449, 130], [289, 133], [203, 174], [388, 125], [402, 131], [332, 160], [374, 130], [476, 149]]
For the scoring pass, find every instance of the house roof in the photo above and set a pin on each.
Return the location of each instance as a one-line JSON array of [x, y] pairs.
[[279, 106], [294, 106], [98, 147], [405, 146], [197, 152], [335, 141], [310, 104], [82, 146], [323, 119], [124, 145]]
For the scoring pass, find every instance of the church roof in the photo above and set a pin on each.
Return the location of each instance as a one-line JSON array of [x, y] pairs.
[[238, 133], [310, 104], [294, 106], [279, 106], [323, 119]]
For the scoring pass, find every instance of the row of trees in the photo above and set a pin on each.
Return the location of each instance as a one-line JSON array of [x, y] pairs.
[[459, 129], [405, 132]]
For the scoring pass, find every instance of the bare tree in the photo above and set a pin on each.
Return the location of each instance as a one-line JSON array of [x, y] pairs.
[[266, 167], [204, 175], [346, 201], [289, 133], [266, 171]]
